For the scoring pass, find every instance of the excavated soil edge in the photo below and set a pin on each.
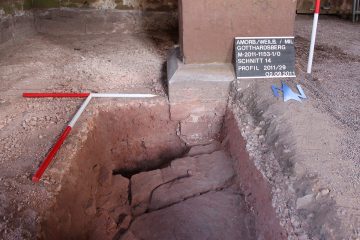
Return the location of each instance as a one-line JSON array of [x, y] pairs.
[[120, 139], [253, 184]]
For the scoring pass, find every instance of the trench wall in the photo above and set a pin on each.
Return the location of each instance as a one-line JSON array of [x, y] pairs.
[[256, 188], [98, 161]]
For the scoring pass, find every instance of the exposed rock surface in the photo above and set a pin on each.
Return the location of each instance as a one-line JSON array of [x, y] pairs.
[[215, 215], [184, 178], [93, 202], [193, 198], [203, 149]]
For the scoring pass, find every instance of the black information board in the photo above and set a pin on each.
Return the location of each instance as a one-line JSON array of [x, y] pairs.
[[265, 57]]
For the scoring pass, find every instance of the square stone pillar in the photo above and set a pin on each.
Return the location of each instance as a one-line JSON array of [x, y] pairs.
[[200, 73], [208, 27]]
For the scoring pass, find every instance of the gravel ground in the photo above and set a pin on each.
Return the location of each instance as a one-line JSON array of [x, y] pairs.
[[134, 63], [28, 127], [336, 74], [309, 152]]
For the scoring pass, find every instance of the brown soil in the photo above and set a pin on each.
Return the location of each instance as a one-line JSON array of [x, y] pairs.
[[130, 174], [305, 167], [29, 127], [308, 152], [93, 202], [258, 190]]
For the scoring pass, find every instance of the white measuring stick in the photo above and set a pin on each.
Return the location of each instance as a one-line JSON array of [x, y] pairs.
[[121, 95], [80, 111], [49, 158], [104, 95]]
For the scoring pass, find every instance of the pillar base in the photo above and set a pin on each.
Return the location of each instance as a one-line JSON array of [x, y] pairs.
[[198, 95]]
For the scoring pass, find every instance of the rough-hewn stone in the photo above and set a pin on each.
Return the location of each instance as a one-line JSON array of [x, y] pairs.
[[184, 178], [215, 215], [204, 149], [198, 96]]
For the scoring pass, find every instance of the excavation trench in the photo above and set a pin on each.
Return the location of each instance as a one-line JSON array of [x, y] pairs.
[[134, 178]]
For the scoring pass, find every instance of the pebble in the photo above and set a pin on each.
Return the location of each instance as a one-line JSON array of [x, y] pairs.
[[286, 150], [325, 192], [257, 130], [303, 202], [19, 208], [311, 215], [303, 237], [262, 138], [295, 222], [158, 88], [343, 212], [33, 122]]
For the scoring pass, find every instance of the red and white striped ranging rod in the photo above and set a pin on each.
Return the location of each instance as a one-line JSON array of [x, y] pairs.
[[313, 36], [44, 165], [56, 95]]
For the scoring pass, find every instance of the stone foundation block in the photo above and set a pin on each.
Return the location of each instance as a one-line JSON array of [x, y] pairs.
[[198, 95]]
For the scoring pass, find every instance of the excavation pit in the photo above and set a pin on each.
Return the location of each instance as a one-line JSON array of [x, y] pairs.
[[134, 178]]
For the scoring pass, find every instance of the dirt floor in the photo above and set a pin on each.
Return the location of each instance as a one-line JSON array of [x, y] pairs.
[[96, 63], [335, 93], [309, 152], [336, 89], [326, 129]]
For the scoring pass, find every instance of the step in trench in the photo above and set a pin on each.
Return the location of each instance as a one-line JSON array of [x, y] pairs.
[[195, 197], [212, 216], [184, 178]]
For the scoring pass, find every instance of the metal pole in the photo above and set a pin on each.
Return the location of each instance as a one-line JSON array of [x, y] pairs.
[[313, 36]]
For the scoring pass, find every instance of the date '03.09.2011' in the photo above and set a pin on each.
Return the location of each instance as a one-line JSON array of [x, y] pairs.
[[265, 57]]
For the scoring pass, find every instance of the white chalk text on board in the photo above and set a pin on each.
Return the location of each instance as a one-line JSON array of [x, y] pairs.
[[265, 57]]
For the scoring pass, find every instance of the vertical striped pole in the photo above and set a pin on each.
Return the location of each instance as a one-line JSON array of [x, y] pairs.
[[313, 36]]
